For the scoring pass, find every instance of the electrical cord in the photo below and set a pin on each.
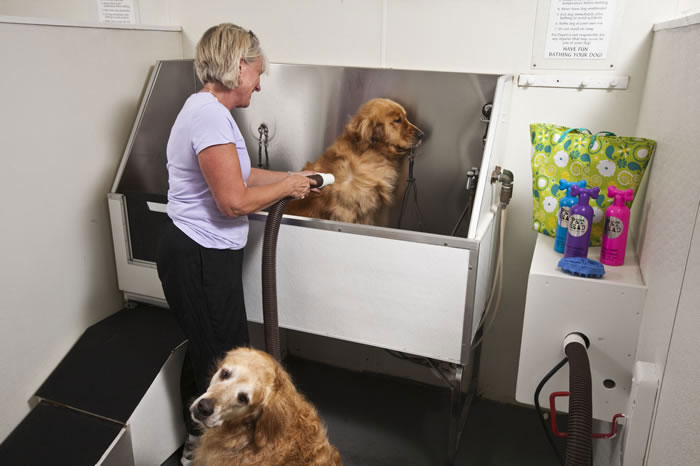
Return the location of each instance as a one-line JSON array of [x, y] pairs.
[[414, 359], [411, 186], [467, 209], [421, 361], [538, 409]]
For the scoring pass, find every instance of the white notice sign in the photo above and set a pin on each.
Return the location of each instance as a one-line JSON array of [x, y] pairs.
[[116, 11], [579, 29]]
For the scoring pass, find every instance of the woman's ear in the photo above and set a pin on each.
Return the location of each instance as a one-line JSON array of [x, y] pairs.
[[241, 66]]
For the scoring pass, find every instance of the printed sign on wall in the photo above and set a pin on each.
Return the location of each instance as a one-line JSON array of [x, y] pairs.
[[579, 29], [116, 11]]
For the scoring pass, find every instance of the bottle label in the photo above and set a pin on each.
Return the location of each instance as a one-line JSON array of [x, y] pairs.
[[578, 225], [563, 217], [613, 227]]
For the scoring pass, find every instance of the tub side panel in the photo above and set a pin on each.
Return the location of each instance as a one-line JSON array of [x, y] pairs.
[[488, 245], [393, 294]]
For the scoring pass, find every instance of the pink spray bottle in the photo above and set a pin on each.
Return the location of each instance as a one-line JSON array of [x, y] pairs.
[[617, 222]]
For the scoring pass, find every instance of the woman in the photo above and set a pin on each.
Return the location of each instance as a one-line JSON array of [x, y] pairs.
[[212, 188]]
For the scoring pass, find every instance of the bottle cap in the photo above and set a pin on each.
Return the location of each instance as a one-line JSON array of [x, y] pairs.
[[618, 194]]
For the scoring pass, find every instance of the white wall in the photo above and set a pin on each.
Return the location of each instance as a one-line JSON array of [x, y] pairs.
[[466, 35], [674, 438], [670, 243], [69, 99]]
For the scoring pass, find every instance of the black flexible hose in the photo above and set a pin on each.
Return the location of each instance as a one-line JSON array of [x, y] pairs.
[[411, 186], [269, 274], [579, 445], [467, 210], [269, 279]]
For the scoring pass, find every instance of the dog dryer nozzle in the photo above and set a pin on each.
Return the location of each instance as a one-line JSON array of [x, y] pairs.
[[322, 179]]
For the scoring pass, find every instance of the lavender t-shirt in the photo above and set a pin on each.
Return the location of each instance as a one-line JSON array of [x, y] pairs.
[[203, 122]]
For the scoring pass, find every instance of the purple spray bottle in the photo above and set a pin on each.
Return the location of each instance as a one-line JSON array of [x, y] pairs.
[[617, 222], [580, 222], [565, 204]]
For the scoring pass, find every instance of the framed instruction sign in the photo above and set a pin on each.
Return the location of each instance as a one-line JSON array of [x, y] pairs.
[[576, 34]]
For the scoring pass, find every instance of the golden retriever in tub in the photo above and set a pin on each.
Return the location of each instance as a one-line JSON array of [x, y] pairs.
[[252, 415], [366, 161]]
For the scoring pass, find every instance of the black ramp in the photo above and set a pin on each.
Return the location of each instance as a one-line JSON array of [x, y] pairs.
[[53, 435], [112, 365]]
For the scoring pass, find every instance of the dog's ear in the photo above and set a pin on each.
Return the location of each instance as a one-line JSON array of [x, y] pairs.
[[365, 130], [275, 413], [378, 132], [361, 128]]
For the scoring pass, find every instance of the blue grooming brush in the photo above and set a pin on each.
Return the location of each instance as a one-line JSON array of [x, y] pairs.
[[582, 267]]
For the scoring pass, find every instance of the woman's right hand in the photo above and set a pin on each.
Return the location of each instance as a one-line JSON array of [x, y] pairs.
[[298, 186]]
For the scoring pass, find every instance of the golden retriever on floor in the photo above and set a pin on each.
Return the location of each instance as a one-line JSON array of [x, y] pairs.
[[366, 162], [253, 416]]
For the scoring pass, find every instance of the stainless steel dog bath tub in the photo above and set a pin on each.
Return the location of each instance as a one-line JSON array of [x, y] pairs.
[[418, 292]]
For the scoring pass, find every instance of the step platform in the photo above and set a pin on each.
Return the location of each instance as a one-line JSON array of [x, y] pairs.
[[52, 434], [113, 399]]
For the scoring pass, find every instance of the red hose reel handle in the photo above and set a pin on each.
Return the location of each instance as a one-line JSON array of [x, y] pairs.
[[553, 417]]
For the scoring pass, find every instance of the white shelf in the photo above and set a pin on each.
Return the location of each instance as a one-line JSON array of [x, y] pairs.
[[545, 263]]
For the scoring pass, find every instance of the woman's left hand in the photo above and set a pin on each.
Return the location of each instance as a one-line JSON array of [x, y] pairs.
[[309, 173]]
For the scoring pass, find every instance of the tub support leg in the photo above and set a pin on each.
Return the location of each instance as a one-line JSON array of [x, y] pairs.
[[460, 401]]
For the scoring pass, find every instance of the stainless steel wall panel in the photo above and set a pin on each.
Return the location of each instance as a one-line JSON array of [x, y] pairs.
[[305, 108], [145, 171]]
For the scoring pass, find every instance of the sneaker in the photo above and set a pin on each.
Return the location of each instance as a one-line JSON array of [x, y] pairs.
[[188, 449]]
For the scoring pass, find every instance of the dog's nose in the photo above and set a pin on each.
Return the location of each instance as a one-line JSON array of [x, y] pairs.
[[205, 407], [419, 135]]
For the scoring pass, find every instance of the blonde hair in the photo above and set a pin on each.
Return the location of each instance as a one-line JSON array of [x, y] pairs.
[[220, 51]]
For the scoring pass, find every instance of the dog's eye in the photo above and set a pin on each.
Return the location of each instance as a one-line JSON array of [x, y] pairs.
[[224, 374], [243, 398], [398, 120]]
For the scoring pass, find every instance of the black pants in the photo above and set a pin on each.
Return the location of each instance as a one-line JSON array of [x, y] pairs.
[[204, 289]]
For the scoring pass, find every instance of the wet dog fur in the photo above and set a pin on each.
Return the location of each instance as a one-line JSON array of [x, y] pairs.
[[365, 161]]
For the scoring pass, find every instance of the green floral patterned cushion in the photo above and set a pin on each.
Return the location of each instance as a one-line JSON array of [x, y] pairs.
[[601, 159]]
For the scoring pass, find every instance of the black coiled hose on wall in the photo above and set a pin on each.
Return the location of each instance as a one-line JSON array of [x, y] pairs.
[[579, 445]]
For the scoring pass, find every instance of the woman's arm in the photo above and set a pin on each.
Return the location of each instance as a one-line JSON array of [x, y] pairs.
[[260, 177], [222, 170]]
